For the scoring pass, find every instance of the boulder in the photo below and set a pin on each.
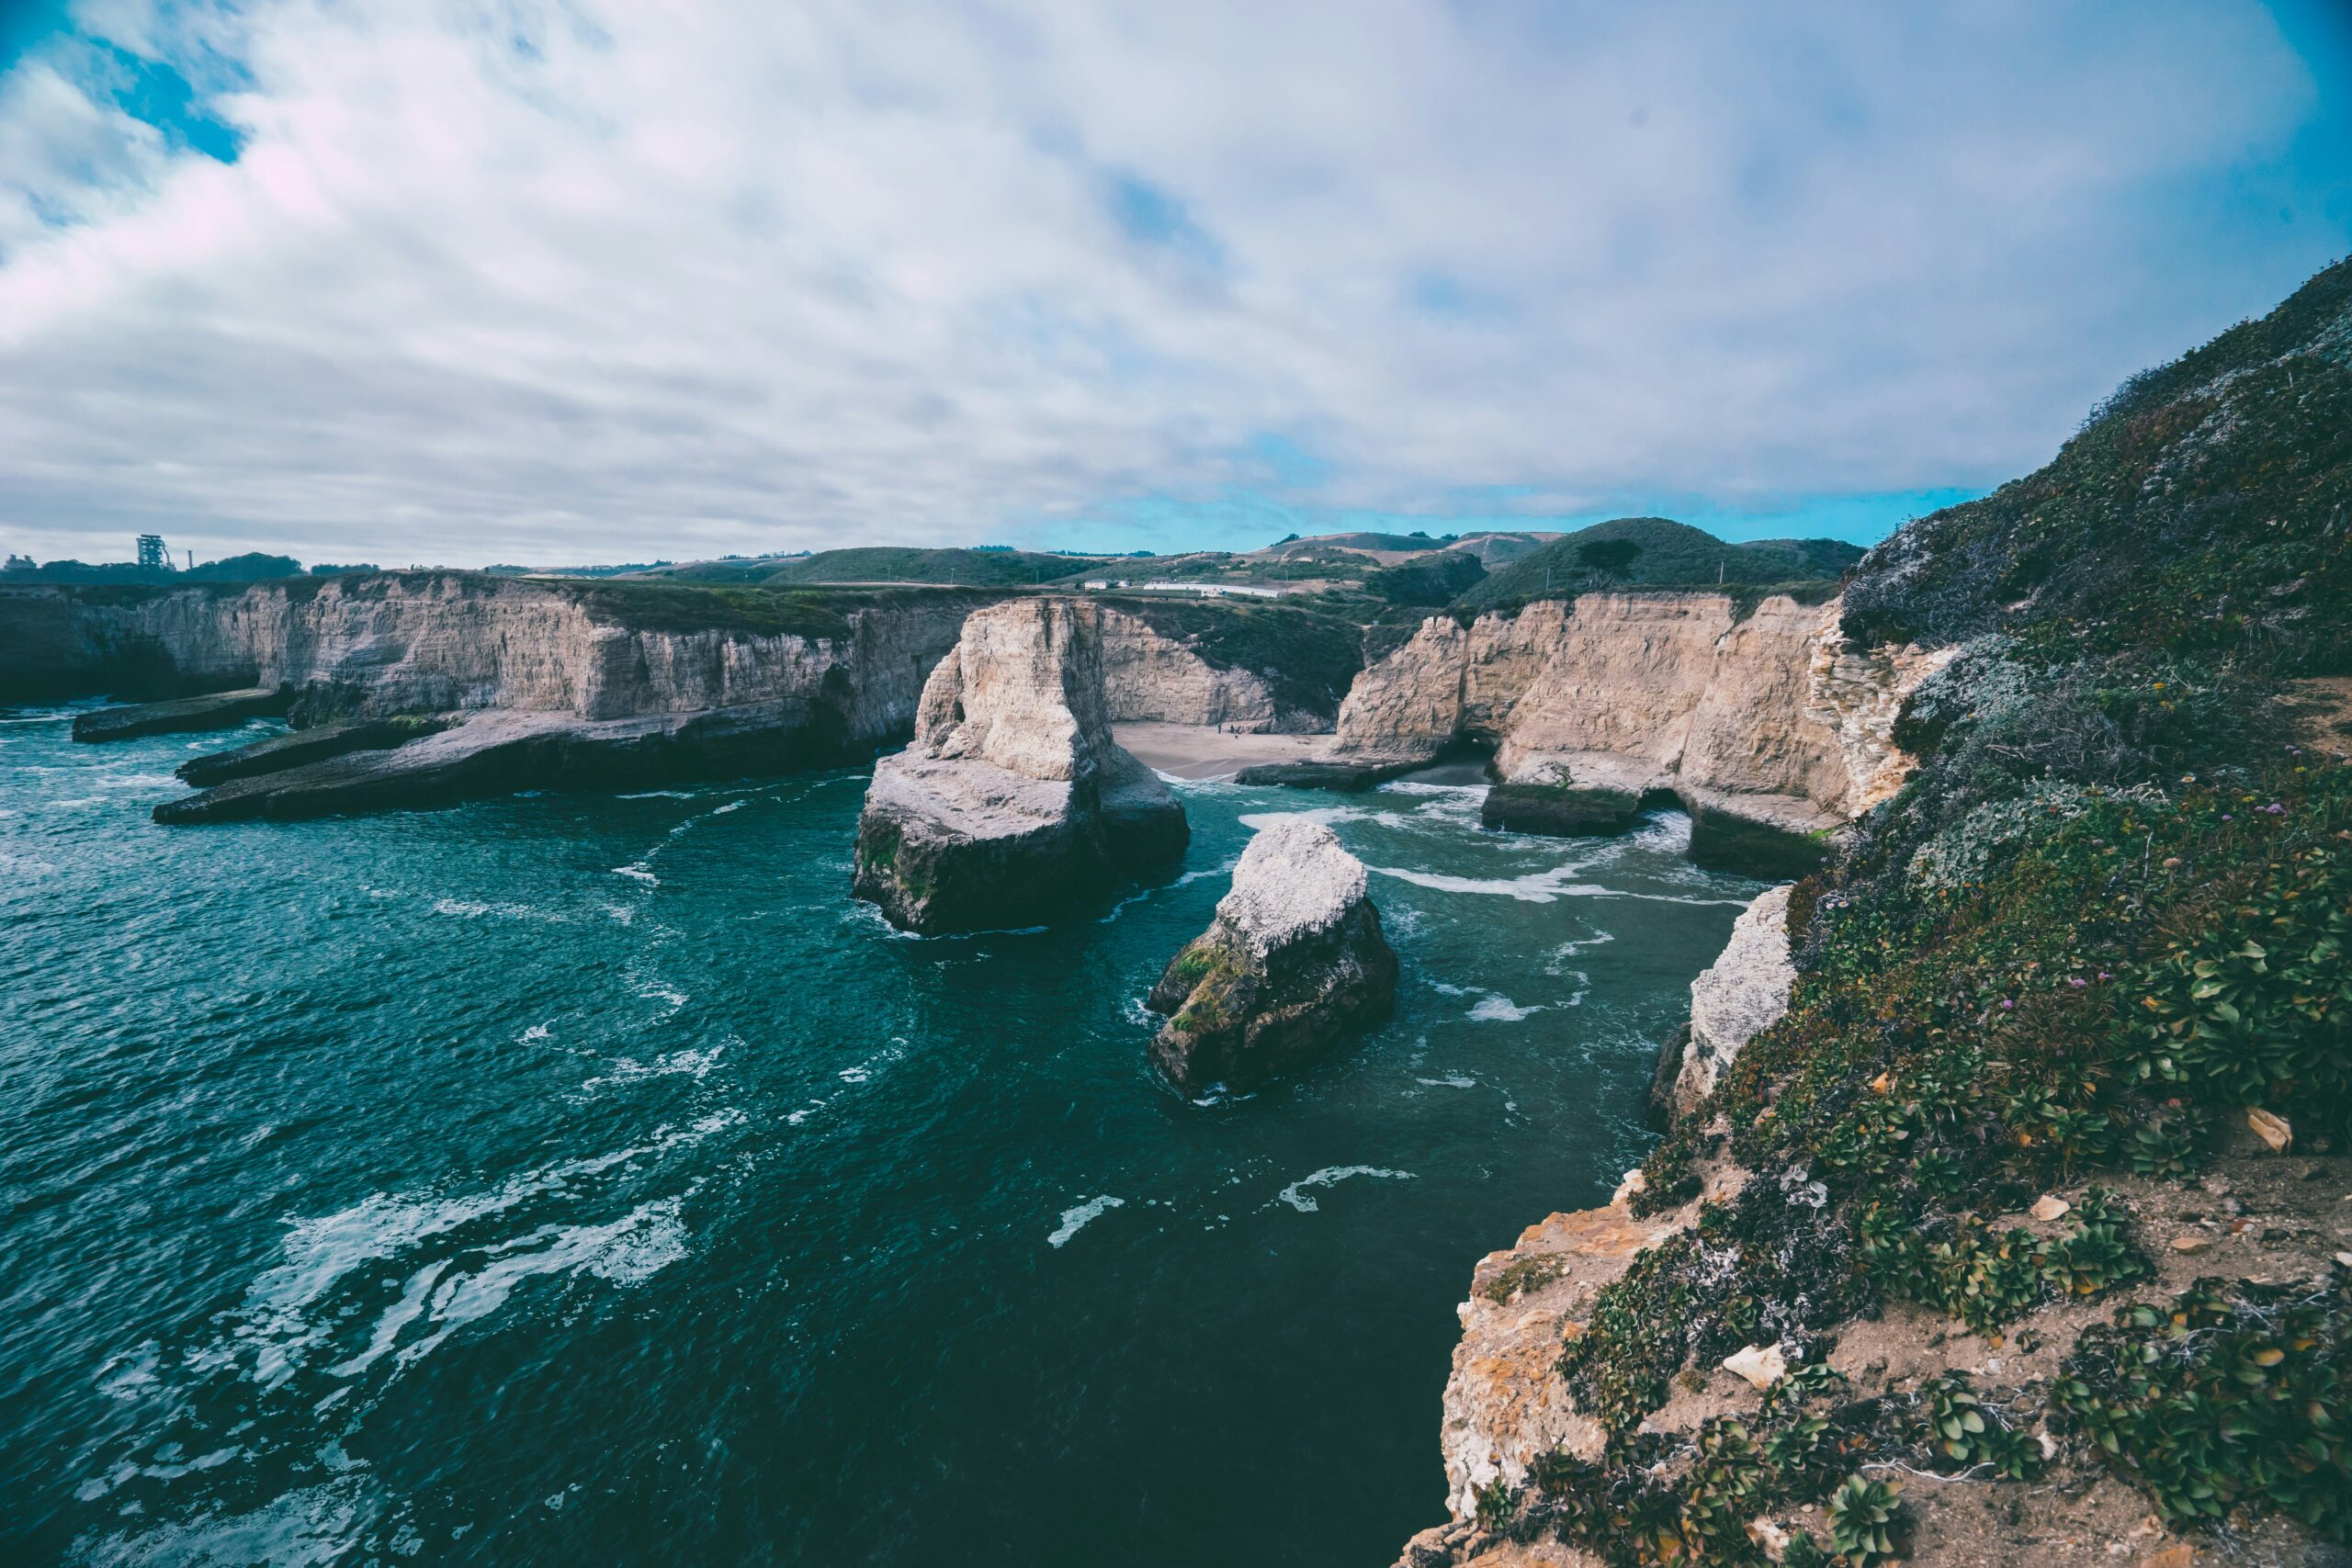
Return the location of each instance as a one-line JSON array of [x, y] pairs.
[[1013, 802], [1293, 965]]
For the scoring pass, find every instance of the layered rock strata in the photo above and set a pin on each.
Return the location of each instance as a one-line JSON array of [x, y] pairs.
[[522, 684], [1293, 965], [1767, 726], [1013, 802], [602, 666]]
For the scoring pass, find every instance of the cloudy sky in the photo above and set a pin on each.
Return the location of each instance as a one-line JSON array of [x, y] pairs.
[[565, 280]]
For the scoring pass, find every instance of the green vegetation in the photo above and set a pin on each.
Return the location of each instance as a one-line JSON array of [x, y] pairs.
[[2231, 1394], [960, 568], [1656, 552], [2200, 509], [1527, 1274], [813, 613], [1863, 1520], [1432, 581], [2110, 913]]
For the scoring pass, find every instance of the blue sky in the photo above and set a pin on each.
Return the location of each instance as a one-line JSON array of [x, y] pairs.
[[558, 280]]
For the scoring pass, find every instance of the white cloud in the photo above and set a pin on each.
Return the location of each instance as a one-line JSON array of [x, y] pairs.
[[548, 280]]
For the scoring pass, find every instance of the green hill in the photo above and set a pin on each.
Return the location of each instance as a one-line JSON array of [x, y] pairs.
[[2206, 505], [968, 568], [1655, 552]]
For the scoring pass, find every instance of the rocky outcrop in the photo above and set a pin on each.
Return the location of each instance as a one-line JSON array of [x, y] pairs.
[[1742, 994], [493, 751], [217, 710], [1293, 965], [1013, 802], [1148, 678], [1768, 726], [619, 684], [281, 753], [1506, 1404]]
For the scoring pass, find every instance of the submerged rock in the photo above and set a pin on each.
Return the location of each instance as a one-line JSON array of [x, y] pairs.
[[1013, 802], [1293, 965]]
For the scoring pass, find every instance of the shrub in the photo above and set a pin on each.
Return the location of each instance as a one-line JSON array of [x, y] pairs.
[[2228, 1395]]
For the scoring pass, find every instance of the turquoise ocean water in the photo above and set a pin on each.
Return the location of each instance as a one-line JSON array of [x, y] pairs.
[[582, 1179]]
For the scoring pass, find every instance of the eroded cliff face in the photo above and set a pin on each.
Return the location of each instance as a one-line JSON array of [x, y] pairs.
[[1772, 716], [377, 646], [1148, 678]]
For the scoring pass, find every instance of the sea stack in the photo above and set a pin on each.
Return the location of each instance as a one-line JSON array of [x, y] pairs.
[[1013, 802], [1293, 965]]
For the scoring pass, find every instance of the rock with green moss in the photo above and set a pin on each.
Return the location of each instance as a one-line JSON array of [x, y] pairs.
[[1293, 966]]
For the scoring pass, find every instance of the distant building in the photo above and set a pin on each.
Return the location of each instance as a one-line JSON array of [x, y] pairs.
[[152, 554], [18, 563]]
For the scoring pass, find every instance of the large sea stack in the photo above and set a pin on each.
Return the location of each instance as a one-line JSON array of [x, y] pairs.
[[1293, 965], [1012, 803]]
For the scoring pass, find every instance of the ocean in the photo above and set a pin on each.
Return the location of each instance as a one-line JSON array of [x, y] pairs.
[[580, 1179]]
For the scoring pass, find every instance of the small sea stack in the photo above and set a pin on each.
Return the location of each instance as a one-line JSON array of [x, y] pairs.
[[1012, 803], [1293, 966]]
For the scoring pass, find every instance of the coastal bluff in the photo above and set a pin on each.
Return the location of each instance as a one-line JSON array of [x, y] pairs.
[[1013, 802]]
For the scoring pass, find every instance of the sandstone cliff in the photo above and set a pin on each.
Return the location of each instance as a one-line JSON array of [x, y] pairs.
[[1292, 966], [1150, 678], [1742, 994], [1012, 801], [1771, 717], [574, 681]]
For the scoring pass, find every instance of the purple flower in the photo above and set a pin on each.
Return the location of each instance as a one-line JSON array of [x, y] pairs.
[[2227, 818], [2105, 975], [2006, 1003], [2077, 982], [2274, 809]]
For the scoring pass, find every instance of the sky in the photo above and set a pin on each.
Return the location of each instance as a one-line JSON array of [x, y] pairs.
[[558, 281]]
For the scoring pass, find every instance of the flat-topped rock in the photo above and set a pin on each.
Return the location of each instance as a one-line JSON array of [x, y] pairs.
[[495, 750], [280, 753], [214, 710], [1013, 802], [1293, 965]]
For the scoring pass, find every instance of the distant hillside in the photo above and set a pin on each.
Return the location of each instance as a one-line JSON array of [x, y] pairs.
[[969, 569], [1493, 550], [2206, 505], [1391, 543], [1656, 552]]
